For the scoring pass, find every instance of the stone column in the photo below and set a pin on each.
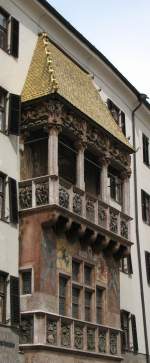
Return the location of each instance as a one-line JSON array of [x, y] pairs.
[[105, 160], [125, 176], [54, 130], [53, 149], [80, 146]]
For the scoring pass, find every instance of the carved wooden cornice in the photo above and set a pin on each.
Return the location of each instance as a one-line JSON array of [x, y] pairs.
[[53, 113]]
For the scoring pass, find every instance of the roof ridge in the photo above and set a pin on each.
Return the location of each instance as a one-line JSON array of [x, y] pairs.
[[51, 71]]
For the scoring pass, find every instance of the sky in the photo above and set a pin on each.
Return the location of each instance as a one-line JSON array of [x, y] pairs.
[[120, 29]]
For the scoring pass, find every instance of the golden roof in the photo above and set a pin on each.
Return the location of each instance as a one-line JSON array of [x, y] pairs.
[[52, 71]]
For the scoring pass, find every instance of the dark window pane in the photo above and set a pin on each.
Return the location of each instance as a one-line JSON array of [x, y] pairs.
[[99, 305], [88, 300], [62, 295], [87, 275], [75, 270], [75, 302], [26, 282]]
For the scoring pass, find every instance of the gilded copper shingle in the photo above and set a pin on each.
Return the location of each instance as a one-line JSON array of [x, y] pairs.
[[52, 71]]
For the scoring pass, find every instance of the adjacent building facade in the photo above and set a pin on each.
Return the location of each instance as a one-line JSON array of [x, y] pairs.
[[84, 291]]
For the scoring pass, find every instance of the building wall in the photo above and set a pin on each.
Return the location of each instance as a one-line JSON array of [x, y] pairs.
[[33, 20]]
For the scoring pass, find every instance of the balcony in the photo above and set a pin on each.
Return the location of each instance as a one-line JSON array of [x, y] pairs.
[[75, 203], [67, 334]]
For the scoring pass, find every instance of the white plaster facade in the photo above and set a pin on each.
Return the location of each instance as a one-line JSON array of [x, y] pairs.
[[33, 18]]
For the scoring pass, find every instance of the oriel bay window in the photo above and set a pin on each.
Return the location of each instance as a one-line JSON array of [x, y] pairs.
[[79, 296]]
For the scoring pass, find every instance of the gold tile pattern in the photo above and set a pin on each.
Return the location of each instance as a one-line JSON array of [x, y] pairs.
[[71, 82]]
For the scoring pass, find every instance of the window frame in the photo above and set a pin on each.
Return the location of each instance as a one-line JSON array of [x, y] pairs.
[[115, 187], [4, 296], [4, 30], [127, 270], [3, 110], [146, 156], [65, 277], [145, 204], [118, 115], [21, 272], [3, 196]]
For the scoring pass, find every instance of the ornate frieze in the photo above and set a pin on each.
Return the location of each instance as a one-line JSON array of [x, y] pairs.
[[63, 198], [102, 341], [77, 204], [102, 215], [52, 112], [26, 330], [51, 332], [90, 339], [90, 210], [113, 343], [25, 196], [78, 336], [42, 193], [124, 228], [113, 220], [65, 334]]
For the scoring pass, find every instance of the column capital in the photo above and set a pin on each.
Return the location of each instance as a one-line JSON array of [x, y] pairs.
[[125, 174], [54, 127], [80, 144], [105, 159]]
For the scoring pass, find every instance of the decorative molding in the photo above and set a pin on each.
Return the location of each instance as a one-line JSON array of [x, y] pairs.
[[52, 113]]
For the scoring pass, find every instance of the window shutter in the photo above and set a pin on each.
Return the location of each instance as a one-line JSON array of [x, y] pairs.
[[109, 104], [130, 268], [134, 333], [147, 260], [123, 339], [14, 300], [143, 205], [14, 40], [13, 205], [123, 125], [14, 114], [145, 149]]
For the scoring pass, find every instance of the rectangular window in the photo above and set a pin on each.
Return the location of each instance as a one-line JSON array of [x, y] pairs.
[[3, 29], [3, 277], [2, 196], [75, 302], [91, 173], [87, 275], [2, 110], [147, 260], [125, 327], [99, 305], [88, 303], [26, 282], [146, 150], [126, 265], [75, 271], [62, 295], [118, 115], [115, 185], [129, 341], [145, 207], [67, 160]]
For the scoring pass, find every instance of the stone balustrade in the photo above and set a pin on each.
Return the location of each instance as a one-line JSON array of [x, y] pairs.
[[49, 190], [71, 334]]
